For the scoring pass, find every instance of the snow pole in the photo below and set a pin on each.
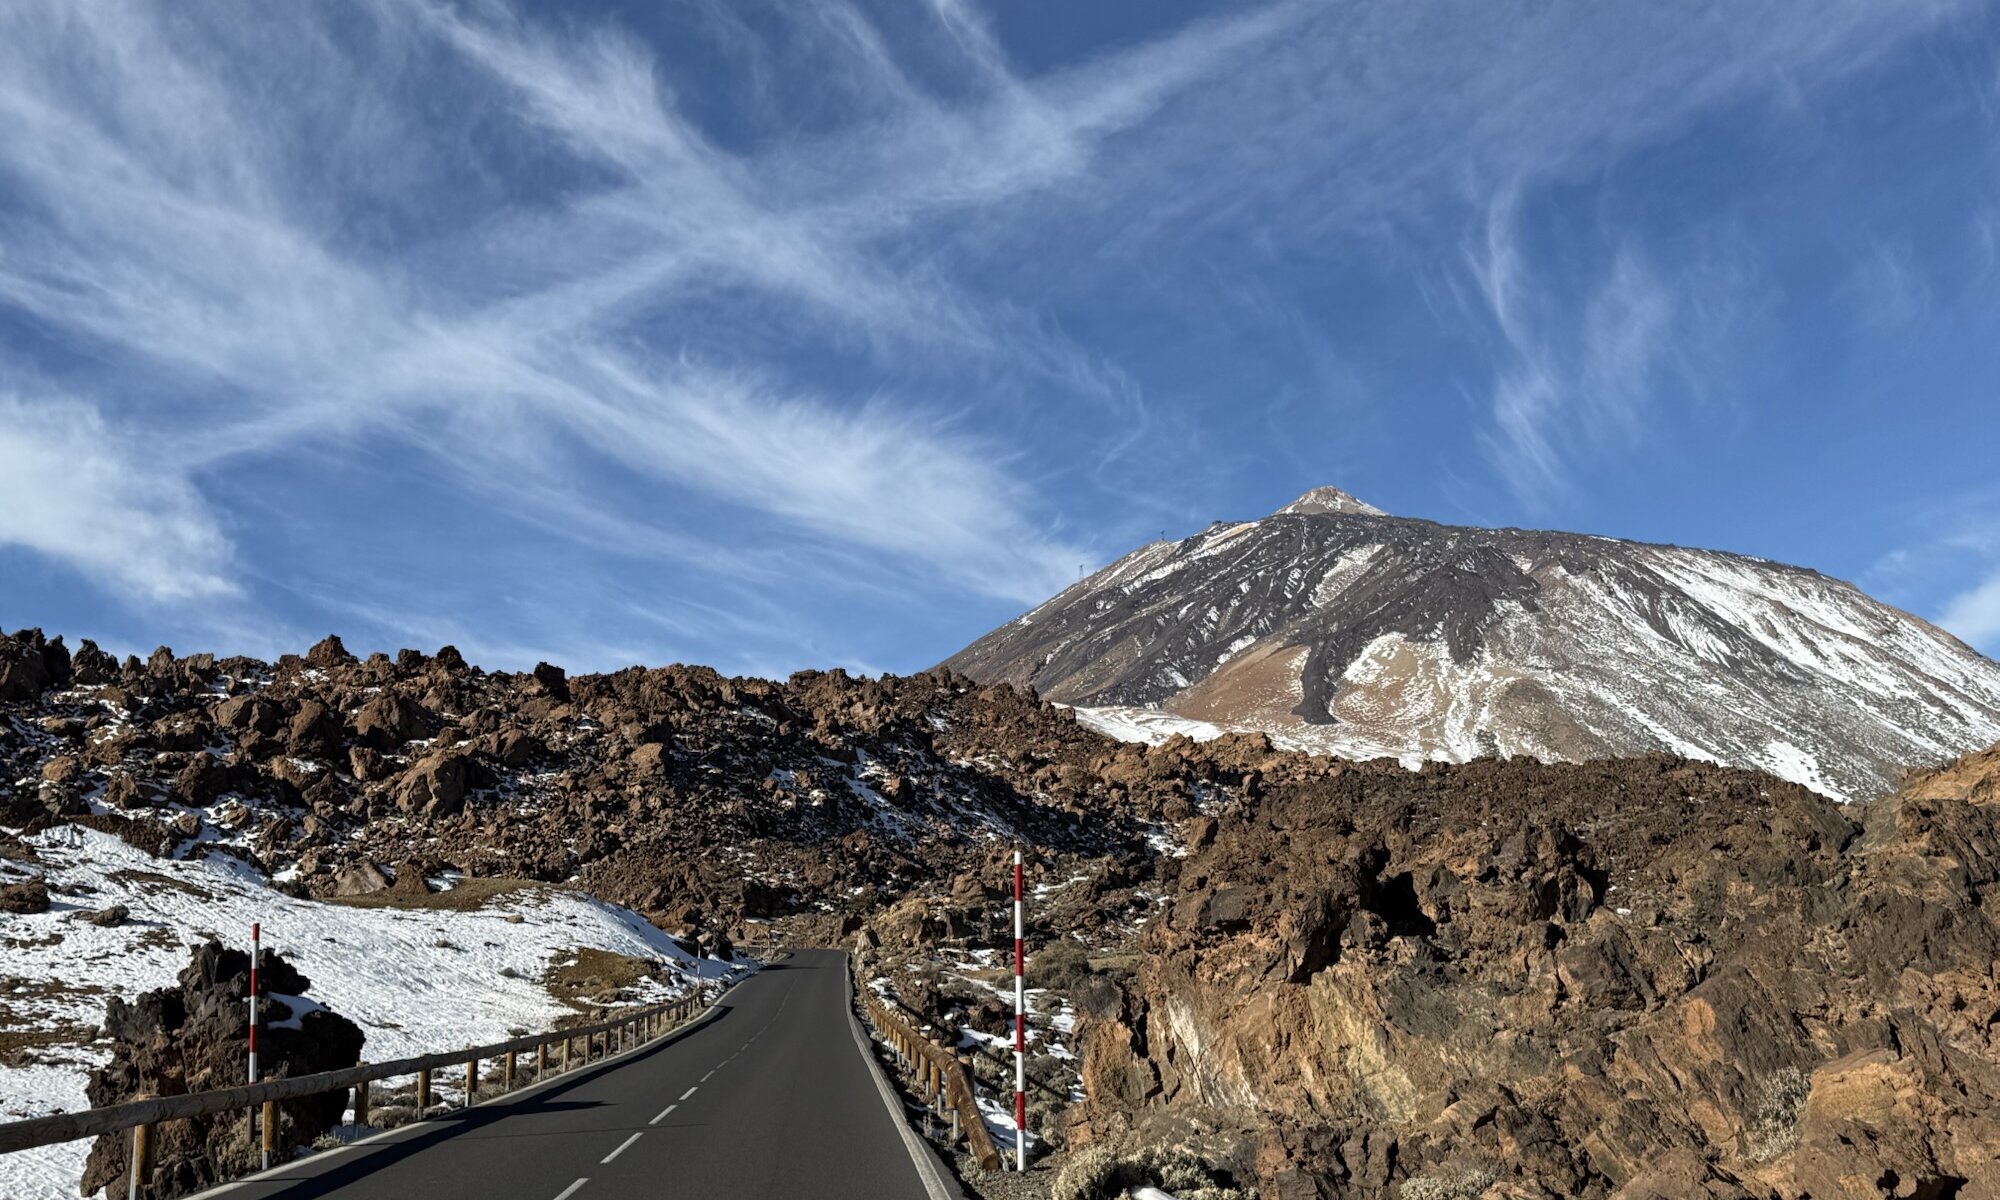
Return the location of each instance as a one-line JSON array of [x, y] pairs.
[[1020, 1025], [256, 956]]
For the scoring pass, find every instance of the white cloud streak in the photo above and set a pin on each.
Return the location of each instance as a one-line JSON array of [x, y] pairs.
[[1581, 379], [77, 490], [1974, 614]]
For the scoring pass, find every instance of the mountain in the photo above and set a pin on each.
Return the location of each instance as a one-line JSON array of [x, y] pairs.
[[1339, 628]]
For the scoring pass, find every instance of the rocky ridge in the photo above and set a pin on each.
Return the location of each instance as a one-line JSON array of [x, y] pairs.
[[691, 797]]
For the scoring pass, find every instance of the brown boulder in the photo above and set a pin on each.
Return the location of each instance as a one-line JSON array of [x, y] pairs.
[[328, 653], [367, 764], [358, 879], [29, 664], [410, 882], [28, 896], [92, 666], [389, 720], [315, 732], [437, 786], [201, 781], [517, 747]]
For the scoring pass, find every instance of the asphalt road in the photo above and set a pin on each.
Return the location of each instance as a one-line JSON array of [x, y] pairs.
[[771, 1098]]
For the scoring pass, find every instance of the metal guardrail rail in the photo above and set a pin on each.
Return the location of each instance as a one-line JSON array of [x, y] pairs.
[[627, 1031], [941, 1078]]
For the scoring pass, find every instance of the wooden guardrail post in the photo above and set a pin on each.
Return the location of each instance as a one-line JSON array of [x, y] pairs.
[[270, 1129], [423, 1091], [140, 1177], [507, 1073], [471, 1081], [541, 1060], [361, 1103]]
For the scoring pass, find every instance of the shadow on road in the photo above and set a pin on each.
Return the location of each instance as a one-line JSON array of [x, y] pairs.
[[355, 1163]]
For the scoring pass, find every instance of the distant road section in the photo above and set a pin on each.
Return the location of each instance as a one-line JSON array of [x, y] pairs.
[[774, 1098]]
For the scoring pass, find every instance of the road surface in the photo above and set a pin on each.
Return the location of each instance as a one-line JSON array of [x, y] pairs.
[[771, 1098]]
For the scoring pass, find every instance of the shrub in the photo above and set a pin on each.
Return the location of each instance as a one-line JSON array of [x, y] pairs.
[[1059, 966], [1097, 1173], [1468, 1186], [1772, 1113], [1088, 1175]]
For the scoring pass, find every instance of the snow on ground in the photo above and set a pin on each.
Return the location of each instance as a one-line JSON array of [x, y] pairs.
[[1148, 725], [415, 980], [1786, 761]]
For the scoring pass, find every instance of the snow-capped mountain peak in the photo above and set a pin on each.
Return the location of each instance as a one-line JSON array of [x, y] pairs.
[[1338, 628], [1330, 500]]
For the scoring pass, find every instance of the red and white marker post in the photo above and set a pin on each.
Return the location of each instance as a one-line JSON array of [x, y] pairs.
[[1020, 1027], [256, 957]]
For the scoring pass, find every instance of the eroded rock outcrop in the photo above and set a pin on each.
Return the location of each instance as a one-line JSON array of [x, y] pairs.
[[191, 1038], [1633, 979]]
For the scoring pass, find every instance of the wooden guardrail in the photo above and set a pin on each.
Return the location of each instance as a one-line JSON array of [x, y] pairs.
[[941, 1079], [627, 1031]]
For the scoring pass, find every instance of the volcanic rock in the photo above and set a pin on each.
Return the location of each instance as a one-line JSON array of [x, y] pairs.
[[389, 720], [189, 1038], [437, 786], [328, 653], [1641, 978]]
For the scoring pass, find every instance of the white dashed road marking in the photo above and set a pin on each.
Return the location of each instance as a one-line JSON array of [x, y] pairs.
[[663, 1114], [614, 1154], [571, 1189], [691, 1091]]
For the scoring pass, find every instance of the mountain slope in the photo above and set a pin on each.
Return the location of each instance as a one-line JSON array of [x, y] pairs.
[[1339, 628]]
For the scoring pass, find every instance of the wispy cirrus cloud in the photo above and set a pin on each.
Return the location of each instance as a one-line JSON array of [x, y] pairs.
[[829, 316], [153, 212], [1974, 614], [1586, 361]]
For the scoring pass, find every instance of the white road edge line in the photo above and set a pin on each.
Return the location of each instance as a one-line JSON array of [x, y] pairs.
[[691, 1091], [615, 1153], [926, 1169], [571, 1189], [663, 1114]]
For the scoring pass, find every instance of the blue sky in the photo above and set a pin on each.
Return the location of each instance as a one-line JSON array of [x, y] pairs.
[[774, 335]]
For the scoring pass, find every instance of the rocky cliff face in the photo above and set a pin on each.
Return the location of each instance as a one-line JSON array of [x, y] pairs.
[[1340, 629], [1634, 979]]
